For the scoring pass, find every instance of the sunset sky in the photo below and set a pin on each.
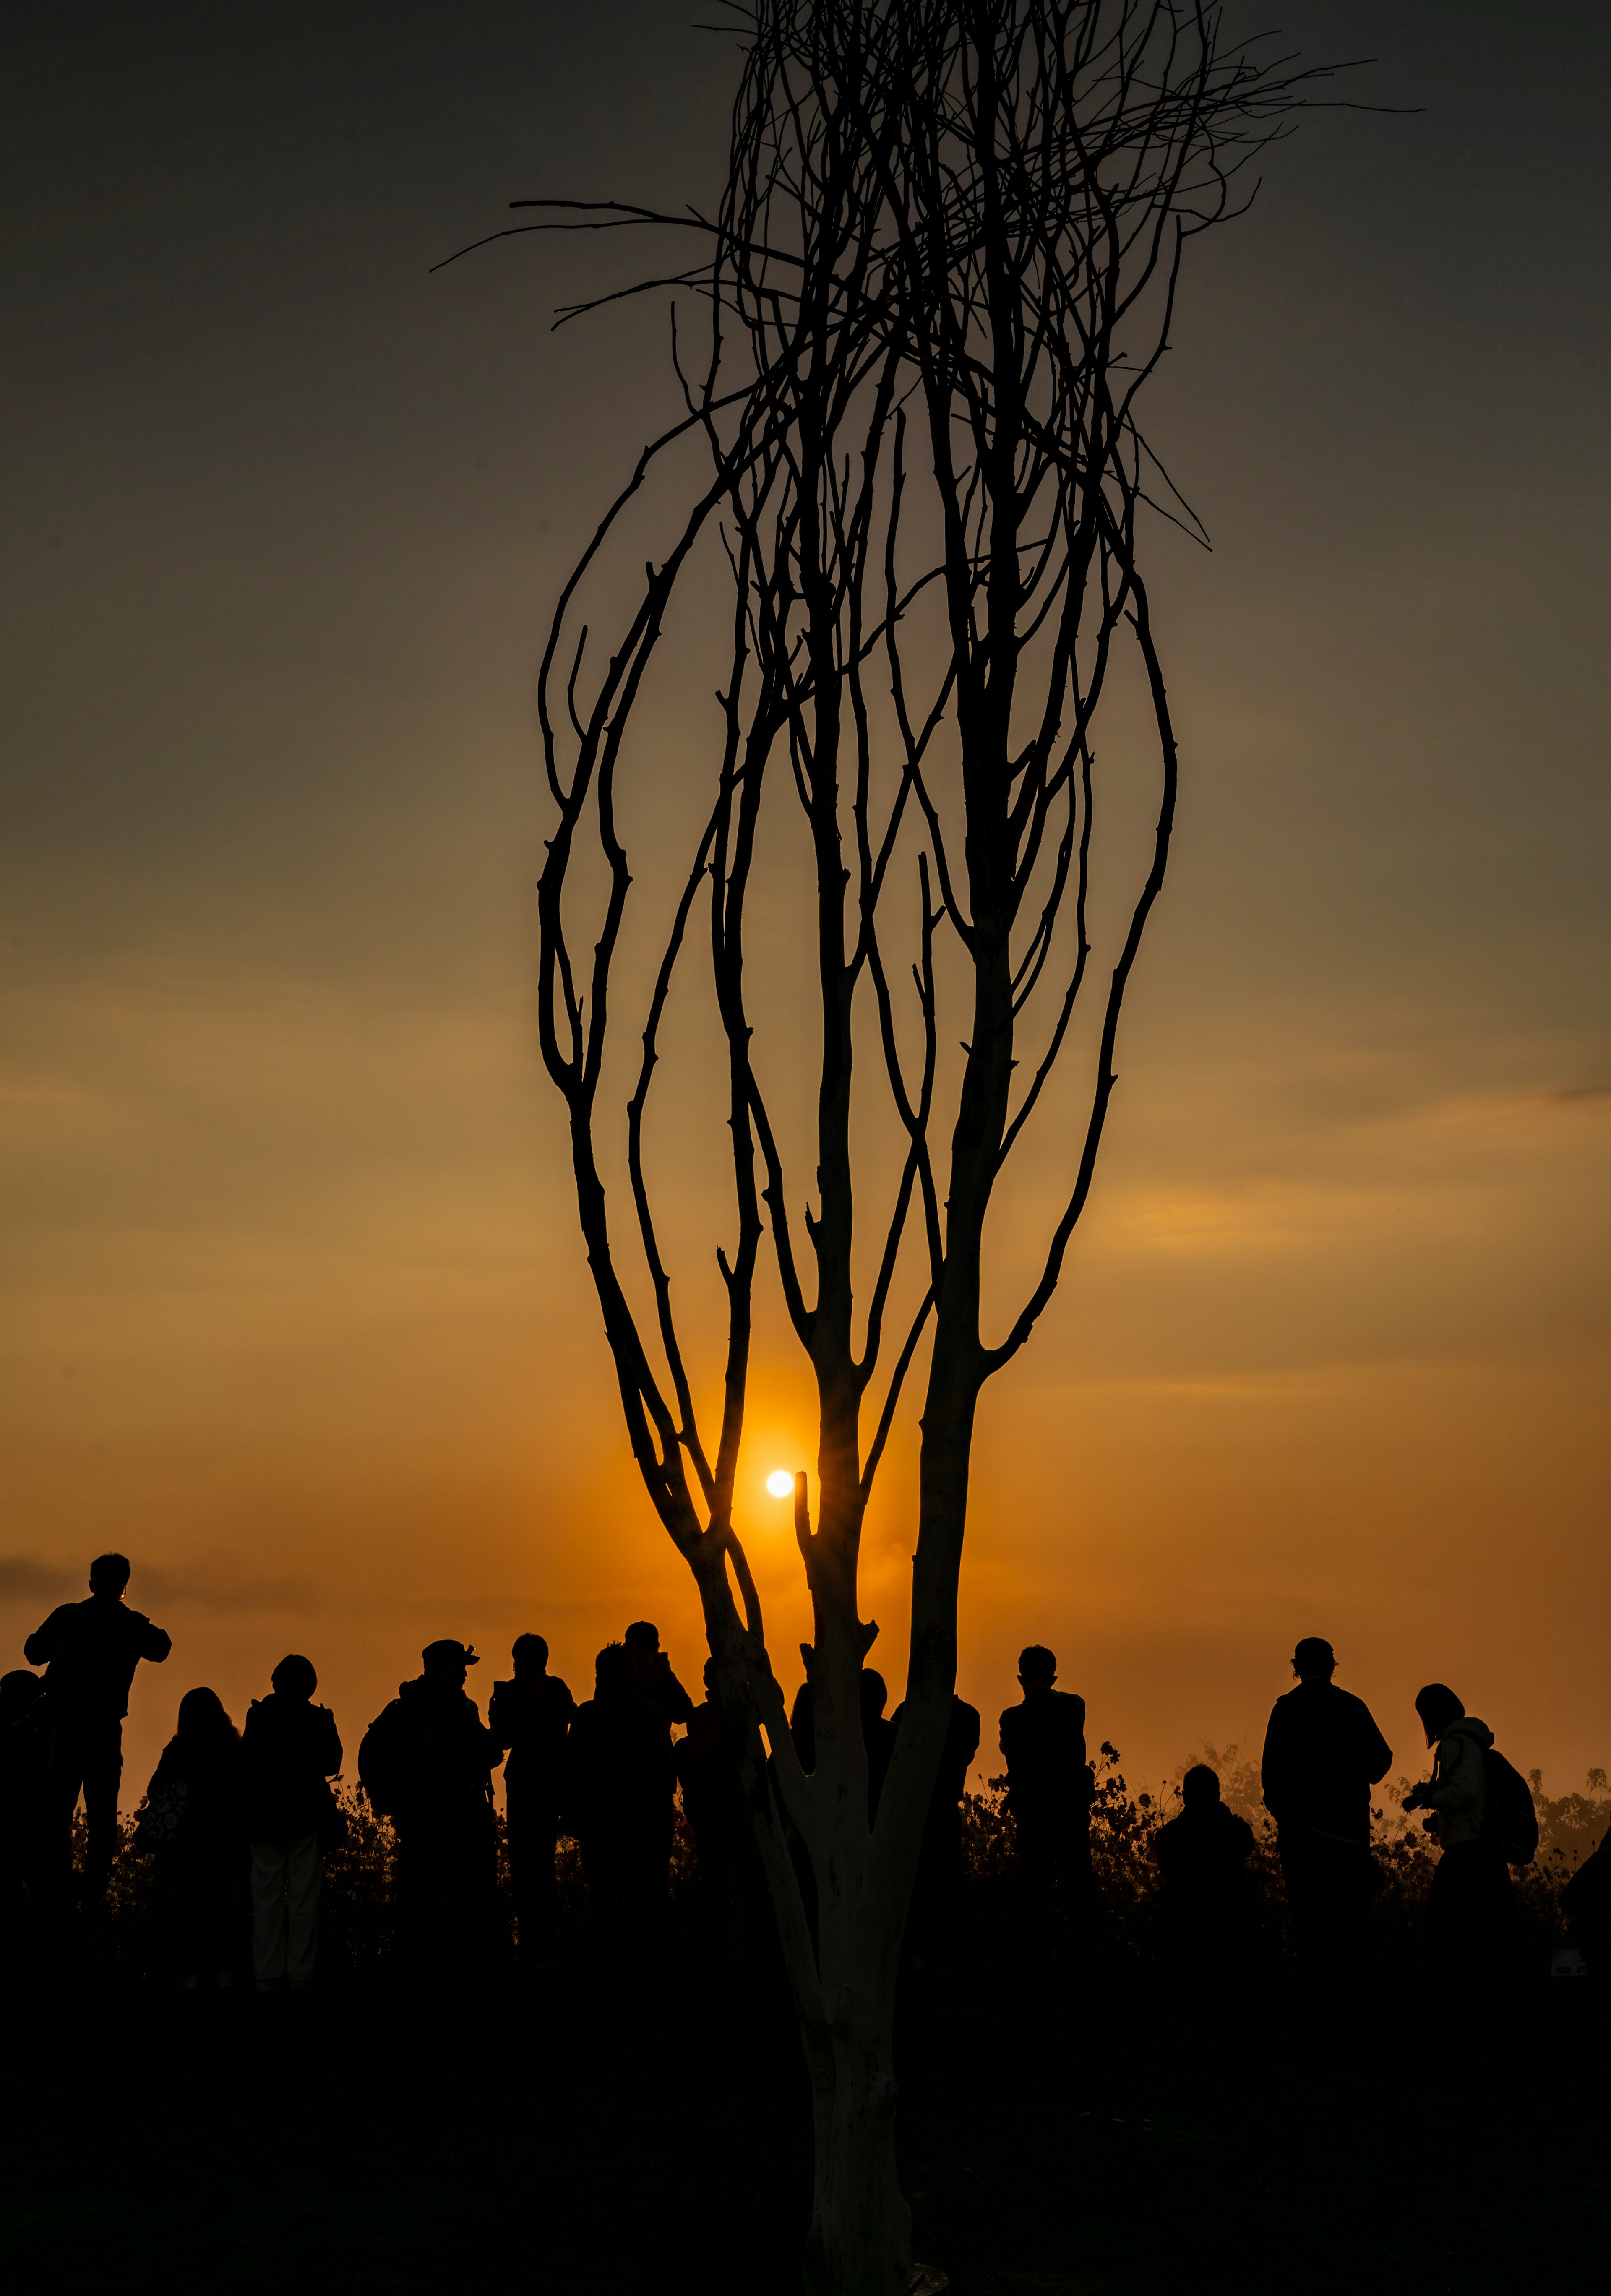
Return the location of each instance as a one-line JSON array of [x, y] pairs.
[[295, 1312]]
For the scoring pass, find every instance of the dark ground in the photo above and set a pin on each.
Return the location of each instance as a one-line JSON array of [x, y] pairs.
[[1090, 2142]]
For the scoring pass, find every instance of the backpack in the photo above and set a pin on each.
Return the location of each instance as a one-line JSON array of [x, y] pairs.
[[380, 1765], [161, 1822], [1509, 1820]]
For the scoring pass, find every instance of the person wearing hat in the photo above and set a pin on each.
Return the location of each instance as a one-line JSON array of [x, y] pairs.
[[1322, 1755], [426, 1763]]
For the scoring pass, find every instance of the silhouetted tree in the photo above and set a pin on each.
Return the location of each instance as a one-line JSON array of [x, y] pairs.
[[942, 271]]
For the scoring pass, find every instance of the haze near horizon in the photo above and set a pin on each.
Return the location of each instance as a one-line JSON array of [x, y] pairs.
[[297, 1314]]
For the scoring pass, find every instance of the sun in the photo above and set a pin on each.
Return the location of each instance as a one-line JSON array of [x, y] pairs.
[[780, 1483]]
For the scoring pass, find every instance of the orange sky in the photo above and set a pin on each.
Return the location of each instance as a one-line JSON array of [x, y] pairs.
[[293, 1307]]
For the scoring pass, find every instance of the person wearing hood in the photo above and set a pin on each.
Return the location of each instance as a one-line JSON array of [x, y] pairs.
[[426, 1763], [1471, 1910], [292, 1750]]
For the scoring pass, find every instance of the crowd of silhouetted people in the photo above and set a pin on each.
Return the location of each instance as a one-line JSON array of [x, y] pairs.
[[238, 1817]]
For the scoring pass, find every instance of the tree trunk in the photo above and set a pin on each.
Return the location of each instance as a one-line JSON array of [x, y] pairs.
[[861, 2240]]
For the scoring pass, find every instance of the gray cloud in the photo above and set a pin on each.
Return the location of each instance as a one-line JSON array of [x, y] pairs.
[[25, 1579], [201, 1588]]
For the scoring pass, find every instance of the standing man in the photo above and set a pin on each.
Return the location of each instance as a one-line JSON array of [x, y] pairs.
[[426, 1763], [89, 1652], [1050, 1790], [709, 1764], [934, 1920], [652, 1672], [1322, 1755], [531, 1718], [619, 1785]]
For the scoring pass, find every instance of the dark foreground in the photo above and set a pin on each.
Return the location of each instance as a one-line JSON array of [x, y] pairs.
[[525, 2136]]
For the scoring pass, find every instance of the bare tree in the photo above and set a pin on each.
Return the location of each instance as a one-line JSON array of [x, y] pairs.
[[943, 271]]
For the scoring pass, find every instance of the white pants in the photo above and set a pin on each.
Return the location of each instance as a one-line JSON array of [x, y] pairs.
[[286, 1879]]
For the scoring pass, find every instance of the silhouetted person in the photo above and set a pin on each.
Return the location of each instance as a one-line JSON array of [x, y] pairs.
[[652, 1672], [619, 1787], [1205, 1915], [194, 1821], [802, 1727], [291, 1750], [531, 1717], [89, 1652], [803, 1736], [23, 1836], [1050, 1790], [1586, 1902], [708, 1764], [19, 1694], [878, 1736], [932, 1923], [1471, 1906], [426, 1762], [1322, 1755]]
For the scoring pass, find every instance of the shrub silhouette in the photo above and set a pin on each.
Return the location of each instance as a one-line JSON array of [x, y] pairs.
[[359, 1937]]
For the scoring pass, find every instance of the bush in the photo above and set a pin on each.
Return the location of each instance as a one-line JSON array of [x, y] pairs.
[[358, 1939]]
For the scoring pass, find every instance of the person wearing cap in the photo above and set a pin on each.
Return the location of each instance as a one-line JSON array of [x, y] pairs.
[[426, 1763], [1322, 1755], [89, 1652]]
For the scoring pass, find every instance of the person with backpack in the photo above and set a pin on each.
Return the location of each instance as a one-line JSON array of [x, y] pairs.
[[1482, 1824], [292, 1750]]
